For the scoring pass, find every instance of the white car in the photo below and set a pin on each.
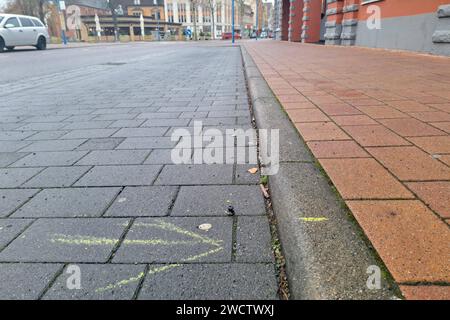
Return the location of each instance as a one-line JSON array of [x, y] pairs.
[[17, 30]]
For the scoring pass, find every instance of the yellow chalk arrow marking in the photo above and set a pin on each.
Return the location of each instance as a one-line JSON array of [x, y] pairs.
[[197, 239], [94, 241], [312, 219]]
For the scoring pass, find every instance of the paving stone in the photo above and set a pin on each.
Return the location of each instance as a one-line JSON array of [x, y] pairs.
[[11, 199], [410, 163], [253, 240], [159, 115], [338, 109], [147, 143], [25, 281], [382, 112], [410, 239], [125, 175], [46, 118], [15, 135], [210, 281], [89, 133], [431, 116], [141, 132], [100, 144], [214, 121], [106, 157], [307, 115], [66, 240], [169, 240], [14, 177], [54, 177], [13, 146], [426, 292], [53, 145], [160, 156], [434, 194], [215, 200], [433, 145], [117, 116], [321, 131], [363, 179], [188, 114], [38, 126], [337, 149], [98, 282], [87, 125], [353, 120], [166, 122], [143, 201], [371, 136], [68, 202], [11, 228], [195, 174], [411, 127], [6, 158], [57, 158], [47, 135], [409, 106], [442, 125], [242, 176], [126, 123]]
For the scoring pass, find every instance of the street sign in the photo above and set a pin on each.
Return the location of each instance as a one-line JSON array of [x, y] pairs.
[[62, 5]]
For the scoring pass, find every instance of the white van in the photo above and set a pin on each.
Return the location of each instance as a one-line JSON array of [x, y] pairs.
[[17, 30]]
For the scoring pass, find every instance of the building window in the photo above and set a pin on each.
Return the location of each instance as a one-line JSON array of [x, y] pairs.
[[137, 2], [182, 12], [170, 12], [206, 14], [219, 13]]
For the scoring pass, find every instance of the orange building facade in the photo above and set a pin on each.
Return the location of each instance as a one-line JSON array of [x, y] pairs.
[[417, 25]]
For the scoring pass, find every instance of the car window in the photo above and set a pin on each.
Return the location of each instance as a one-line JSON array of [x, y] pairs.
[[26, 22], [37, 23], [13, 21]]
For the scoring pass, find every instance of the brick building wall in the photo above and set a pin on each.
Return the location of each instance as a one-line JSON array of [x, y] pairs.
[[417, 25]]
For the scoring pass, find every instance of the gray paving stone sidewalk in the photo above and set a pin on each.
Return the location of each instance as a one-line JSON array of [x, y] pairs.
[[86, 180]]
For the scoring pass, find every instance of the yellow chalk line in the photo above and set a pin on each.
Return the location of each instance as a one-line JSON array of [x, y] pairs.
[[157, 270], [171, 227], [134, 279], [92, 241], [312, 219]]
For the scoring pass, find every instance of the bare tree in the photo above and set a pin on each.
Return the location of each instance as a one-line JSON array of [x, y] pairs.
[[213, 6], [194, 9], [26, 7]]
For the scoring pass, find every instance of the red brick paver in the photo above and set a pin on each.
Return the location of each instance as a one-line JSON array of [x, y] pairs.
[[385, 138]]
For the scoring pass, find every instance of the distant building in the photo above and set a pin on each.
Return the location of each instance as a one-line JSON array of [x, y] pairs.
[[418, 25], [128, 14], [208, 16]]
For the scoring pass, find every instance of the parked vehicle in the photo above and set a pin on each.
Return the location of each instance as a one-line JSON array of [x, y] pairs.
[[228, 36], [18, 30]]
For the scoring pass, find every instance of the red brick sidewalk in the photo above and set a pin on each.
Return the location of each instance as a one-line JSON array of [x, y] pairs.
[[379, 123]]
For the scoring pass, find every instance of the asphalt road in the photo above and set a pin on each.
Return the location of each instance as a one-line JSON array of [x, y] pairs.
[[29, 62], [88, 188]]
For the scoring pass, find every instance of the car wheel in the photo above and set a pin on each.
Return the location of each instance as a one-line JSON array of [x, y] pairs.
[[2, 44], [10, 48], [42, 44]]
